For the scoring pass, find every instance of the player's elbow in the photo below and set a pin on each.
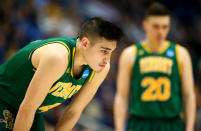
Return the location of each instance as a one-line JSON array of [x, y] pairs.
[[189, 97], [120, 96], [25, 112], [74, 110], [120, 101], [75, 113], [71, 114], [27, 107]]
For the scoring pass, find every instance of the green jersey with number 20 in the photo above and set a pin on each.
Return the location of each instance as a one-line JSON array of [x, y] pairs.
[[155, 83]]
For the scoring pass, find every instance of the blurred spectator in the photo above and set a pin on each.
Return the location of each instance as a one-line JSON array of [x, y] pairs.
[[92, 8]]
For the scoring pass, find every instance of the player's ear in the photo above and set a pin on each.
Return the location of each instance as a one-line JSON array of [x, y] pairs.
[[85, 42], [144, 24]]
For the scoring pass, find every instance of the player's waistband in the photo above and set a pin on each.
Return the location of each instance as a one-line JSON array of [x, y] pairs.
[[155, 118]]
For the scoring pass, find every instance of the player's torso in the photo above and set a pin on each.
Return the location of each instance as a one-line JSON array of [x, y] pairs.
[[155, 83], [66, 86], [16, 74]]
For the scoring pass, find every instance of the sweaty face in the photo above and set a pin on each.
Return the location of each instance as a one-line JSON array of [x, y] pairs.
[[99, 53], [157, 27]]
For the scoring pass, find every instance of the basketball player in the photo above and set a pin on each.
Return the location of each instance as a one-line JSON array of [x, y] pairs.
[[46, 73], [155, 81]]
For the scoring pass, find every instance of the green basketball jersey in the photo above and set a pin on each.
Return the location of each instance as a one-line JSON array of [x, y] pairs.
[[155, 83], [17, 72]]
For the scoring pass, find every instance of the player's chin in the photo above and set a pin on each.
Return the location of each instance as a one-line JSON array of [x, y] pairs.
[[98, 69], [160, 38]]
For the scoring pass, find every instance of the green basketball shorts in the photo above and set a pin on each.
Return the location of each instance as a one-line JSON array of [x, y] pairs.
[[136, 123], [7, 119]]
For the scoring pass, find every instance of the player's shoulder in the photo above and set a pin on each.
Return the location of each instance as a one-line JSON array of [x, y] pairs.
[[128, 55], [54, 50], [51, 53], [182, 53], [130, 50], [181, 49]]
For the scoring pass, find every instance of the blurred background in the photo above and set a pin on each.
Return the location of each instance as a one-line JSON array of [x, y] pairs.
[[23, 21]]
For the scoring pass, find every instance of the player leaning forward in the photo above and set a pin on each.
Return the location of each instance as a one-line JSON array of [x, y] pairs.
[[45, 73], [155, 81]]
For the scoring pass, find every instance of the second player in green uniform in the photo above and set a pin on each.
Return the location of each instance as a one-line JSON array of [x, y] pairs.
[[155, 97], [155, 81]]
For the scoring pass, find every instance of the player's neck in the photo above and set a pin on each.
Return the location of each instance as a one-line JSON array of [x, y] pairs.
[[154, 46], [79, 60]]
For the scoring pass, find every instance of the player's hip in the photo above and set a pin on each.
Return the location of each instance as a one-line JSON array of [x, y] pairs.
[[136, 123], [8, 115]]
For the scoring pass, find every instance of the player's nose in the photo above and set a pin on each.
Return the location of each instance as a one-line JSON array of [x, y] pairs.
[[107, 59]]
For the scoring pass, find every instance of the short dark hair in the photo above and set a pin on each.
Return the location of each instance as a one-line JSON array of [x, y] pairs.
[[157, 9], [100, 27]]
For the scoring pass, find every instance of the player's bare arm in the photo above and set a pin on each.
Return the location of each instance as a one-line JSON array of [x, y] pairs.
[[50, 62], [127, 59], [187, 88], [83, 97]]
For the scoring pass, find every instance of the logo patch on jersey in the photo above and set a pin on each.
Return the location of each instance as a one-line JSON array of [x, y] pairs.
[[8, 119], [85, 74], [170, 53]]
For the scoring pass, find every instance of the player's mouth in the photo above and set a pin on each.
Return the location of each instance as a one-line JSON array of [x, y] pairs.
[[159, 37], [102, 65]]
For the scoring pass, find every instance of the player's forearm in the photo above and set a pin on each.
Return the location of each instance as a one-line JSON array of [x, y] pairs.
[[189, 110], [120, 113], [24, 120], [68, 121]]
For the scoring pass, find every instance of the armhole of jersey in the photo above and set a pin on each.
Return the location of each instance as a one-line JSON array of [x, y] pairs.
[[72, 69], [92, 75], [135, 52], [178, 59], [52, 42]]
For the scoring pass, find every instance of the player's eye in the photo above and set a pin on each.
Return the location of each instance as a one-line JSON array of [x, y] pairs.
[[104, 52], [156, 26], [165, 27]]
